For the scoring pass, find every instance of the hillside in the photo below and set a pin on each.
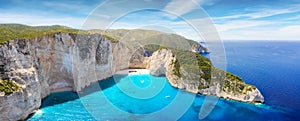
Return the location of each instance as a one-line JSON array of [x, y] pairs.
[[152, 39], [149, 38], [14, 31]]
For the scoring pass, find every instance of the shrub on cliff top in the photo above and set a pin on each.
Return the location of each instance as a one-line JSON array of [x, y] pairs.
[[193, 62], [17, 31], [8, 86]]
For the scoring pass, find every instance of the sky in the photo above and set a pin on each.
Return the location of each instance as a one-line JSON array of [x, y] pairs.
[[194, 19]]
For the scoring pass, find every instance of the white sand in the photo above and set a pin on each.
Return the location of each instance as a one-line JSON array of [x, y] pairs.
[[126, 71], [133, 71], [62, 89]]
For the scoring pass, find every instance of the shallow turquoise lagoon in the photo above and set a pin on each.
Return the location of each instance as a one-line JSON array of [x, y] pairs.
[[145, 97]]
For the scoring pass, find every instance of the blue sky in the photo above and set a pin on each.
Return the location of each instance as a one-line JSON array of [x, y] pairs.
[[233, 19]]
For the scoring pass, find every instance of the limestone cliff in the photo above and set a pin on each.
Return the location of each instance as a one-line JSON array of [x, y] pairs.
[[197, 80], [54, 62], [69, 61]]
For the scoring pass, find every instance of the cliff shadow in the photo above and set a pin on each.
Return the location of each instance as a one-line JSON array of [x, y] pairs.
[[63, 97], [59, 98]]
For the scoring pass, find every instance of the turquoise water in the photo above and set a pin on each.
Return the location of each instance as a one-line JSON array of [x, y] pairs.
[[272, 66], [119, 100]]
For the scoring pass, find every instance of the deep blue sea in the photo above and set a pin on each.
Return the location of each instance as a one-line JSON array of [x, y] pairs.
[[273, 67]]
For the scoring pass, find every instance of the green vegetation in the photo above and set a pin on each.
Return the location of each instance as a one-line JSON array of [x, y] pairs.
[[233, 86], [14, 31], [8, 86], [233, 83], [151, 41], [111, 37], [193, 62], [17, 31], [176, 71], [230, 76], [113, 40]]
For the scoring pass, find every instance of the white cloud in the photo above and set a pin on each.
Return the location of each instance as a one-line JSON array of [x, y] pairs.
[[285, 33], [293, 18], [259, 14], [268, 13], [74, 6], [35, 20], [180, 7], [257, 30], [241, 24], [60, 5], [236, 29], [252, 26]]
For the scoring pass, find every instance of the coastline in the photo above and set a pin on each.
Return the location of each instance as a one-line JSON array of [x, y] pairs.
[[61, 89], [125, 71], [133, 71], [146, 71]]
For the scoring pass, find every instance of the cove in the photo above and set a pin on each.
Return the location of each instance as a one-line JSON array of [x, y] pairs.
[[117, 98]]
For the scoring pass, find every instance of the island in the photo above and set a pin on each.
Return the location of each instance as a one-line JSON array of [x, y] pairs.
[[54, 58]]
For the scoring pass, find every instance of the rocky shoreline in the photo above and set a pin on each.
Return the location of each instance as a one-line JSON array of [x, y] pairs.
[[133, 71], [162, 64], [65, 61], [54, 63]]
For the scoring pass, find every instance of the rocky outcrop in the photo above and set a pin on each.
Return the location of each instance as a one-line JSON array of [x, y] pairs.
[[48, 63], [158, 61], [164, 62], [198, 48], [69, 61]]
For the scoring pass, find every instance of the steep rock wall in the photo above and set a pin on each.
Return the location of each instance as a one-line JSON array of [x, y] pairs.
[[54, 62], [162, 62], [69, 61]]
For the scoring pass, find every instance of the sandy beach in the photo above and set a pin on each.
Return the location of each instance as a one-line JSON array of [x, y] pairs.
[[133, 71], [126, 71], [62, 89]]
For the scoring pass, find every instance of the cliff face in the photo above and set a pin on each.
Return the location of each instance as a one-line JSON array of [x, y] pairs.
[[49, 63], [164, 62], [198, 48], [69, 61]]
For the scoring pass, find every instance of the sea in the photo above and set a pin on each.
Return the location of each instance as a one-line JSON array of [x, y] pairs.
[[272, 66]]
